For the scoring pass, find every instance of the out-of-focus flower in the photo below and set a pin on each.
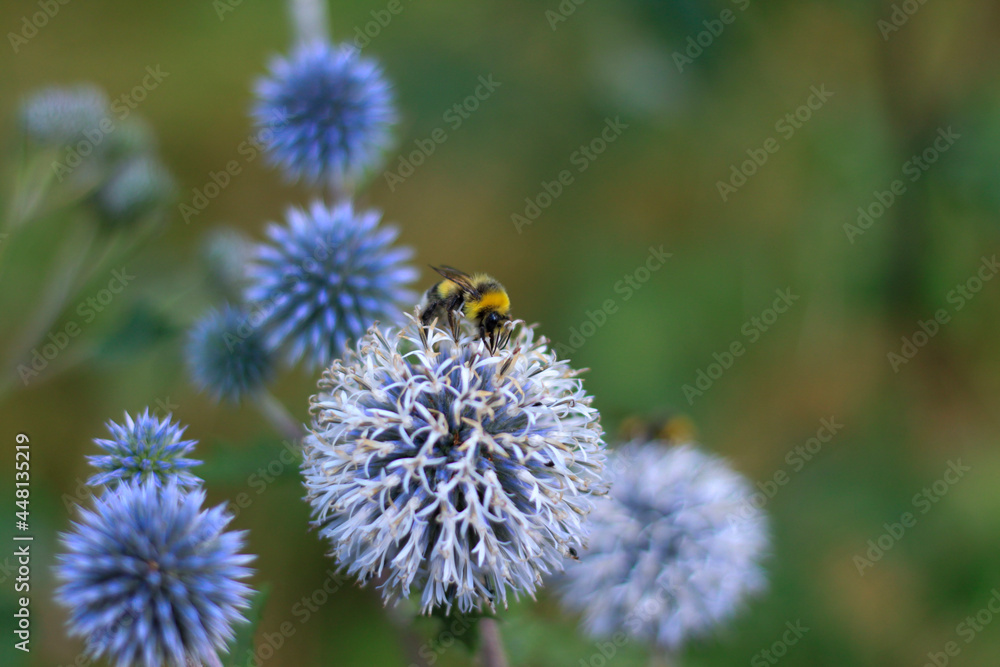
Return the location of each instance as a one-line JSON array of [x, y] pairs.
[[58, 116], [151, 580], [227, 252], [325, 277], [674, 550], [226, 354], [437, 466], [137, 187], [145, 449], [324, 113]]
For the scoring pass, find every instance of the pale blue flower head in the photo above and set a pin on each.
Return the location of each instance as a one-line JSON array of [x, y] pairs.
[[145, 448], [149, 579], [226, 354], [59, 116], [674, 550], [325, 277], [433, 465], [324, 113], [138, 187]]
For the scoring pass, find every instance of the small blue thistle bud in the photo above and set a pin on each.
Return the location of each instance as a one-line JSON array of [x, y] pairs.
[[144, 449], [325, 277], [58, 116], [226, 354], [674, 550], [151, 580], [434, 465], [138, 187], [325, 113]]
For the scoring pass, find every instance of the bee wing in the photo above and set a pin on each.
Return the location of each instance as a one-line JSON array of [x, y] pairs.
[[460, 278]]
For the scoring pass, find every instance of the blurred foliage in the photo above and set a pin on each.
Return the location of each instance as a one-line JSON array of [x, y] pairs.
[[655, 184]]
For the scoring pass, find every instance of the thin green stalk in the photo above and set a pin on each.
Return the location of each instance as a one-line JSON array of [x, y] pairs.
[[309, 19], [69, 265], [277, 415], [491, 653]]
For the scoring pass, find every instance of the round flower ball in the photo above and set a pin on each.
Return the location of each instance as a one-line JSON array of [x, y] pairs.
[[433, 465], [674, 550], [324, 113], [151, 580], [325, 277]]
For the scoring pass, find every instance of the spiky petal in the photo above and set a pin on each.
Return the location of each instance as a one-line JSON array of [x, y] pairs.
[[145, 448], [435, 465], [325, 278], [674, 550], [151, 580], [324, 113]]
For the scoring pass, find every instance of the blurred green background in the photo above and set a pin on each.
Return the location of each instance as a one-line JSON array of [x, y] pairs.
[[656, 184]]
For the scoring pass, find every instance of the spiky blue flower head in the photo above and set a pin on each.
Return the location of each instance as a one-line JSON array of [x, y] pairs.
[[152, 580], [58, 116], [146, 449], [436, 466], [226, 354], [324, 113], [325, 277], [674, 550]]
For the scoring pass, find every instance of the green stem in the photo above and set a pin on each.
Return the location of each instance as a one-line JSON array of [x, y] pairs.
[[491, 653], [309, 19], [69, 265], [277, 415]]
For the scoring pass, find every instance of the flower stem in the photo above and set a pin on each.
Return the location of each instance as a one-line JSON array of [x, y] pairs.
[[71, 262], [309, 19], [278, 416], [491, 653]]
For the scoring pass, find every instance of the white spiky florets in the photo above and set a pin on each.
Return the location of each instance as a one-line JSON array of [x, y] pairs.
[[674, 549], [436, 465]]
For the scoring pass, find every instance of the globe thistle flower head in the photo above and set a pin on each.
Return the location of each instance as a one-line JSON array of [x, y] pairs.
[[324, 113], [58, 116], [225, 252], [150, 579], [145, 449], [138, 187], [325, 277], [437, 466], [674, 550], [226, 354]]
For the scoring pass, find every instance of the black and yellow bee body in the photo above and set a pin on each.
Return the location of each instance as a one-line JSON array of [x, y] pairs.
[[481, 298]]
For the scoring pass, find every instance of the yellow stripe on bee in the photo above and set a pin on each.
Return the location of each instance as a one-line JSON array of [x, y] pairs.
[[497, 301], [447, 288]]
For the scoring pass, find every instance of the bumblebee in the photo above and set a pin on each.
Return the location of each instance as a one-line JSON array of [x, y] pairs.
[[480, 297]]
